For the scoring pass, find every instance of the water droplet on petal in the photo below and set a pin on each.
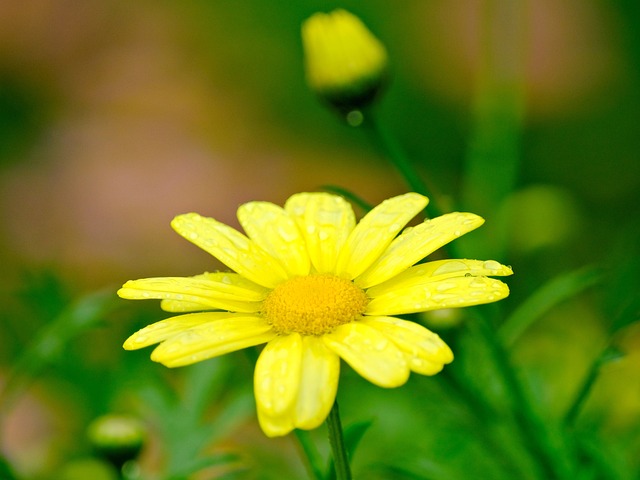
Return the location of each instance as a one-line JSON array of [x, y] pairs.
[[443, 287], [491, 265], [265, 384]]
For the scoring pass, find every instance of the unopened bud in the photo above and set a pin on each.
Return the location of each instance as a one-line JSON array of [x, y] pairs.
[[117, 438], [345, 64]]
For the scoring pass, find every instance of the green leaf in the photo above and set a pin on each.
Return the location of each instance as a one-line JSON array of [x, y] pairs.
[[198, 464], [354, 433], [544, 299], [5, 470], [349, 195], [51, 341], [608, 355], [181, 414]]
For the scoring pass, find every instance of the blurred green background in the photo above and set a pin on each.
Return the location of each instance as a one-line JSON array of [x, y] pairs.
[[115, 116]]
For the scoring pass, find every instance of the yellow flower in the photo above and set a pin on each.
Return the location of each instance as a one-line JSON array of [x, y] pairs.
[[345, 64], [316, 287]]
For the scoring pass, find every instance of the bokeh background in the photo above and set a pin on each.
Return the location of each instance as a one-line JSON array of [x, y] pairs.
[[115, 116]]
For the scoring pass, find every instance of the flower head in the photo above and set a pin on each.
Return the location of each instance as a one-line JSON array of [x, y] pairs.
[[316, 286], [345, 64]]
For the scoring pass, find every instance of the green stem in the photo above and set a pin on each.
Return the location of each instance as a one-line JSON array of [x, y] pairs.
[[311, 454], [385, 142], [574, 410], [338, 448], [498, 107]]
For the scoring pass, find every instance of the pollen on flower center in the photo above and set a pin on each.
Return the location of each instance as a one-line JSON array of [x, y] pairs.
[[313, 304]]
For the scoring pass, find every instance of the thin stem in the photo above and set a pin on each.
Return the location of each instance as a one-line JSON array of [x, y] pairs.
[[336, 439], [493, 154], [390, 147], [311, 454], [574, 410]]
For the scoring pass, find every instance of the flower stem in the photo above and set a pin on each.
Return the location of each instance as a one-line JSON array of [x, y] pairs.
[[493, 154], [391, 149], [338, 448]]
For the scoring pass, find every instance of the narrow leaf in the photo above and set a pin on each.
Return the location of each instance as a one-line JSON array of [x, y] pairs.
[[544, 299]]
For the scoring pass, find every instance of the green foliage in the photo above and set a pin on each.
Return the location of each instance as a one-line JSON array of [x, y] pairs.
[[512, 405], [184, 426]]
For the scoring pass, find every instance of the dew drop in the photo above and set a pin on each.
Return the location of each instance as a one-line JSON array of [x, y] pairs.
[[450, 266], [443, 287], [265, 384], [381, 345], [394, 227], [284, 366], [491, 265], [287, 235], [441, 297]]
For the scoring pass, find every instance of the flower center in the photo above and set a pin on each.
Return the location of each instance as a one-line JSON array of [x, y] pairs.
[[313, 305]]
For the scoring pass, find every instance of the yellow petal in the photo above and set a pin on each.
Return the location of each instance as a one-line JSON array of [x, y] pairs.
[[449, 293], [318, 383], [325, 222], [272, 229], [159, 331], [438, 271], [224, 291], [370, 353], [274, 425], [212, 339], [425, 351], [230, 247], [375, 232], [277, 382], [416, 243]]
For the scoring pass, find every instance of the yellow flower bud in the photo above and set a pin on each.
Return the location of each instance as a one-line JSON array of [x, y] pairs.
[[345, 64]]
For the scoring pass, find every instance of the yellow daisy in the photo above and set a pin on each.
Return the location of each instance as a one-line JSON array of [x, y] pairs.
[[316, 286]]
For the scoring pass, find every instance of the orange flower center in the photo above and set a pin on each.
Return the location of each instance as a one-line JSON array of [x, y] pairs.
[[314, 304]]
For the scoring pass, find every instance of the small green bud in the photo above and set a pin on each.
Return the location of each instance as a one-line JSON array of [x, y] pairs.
[[117, 438]]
